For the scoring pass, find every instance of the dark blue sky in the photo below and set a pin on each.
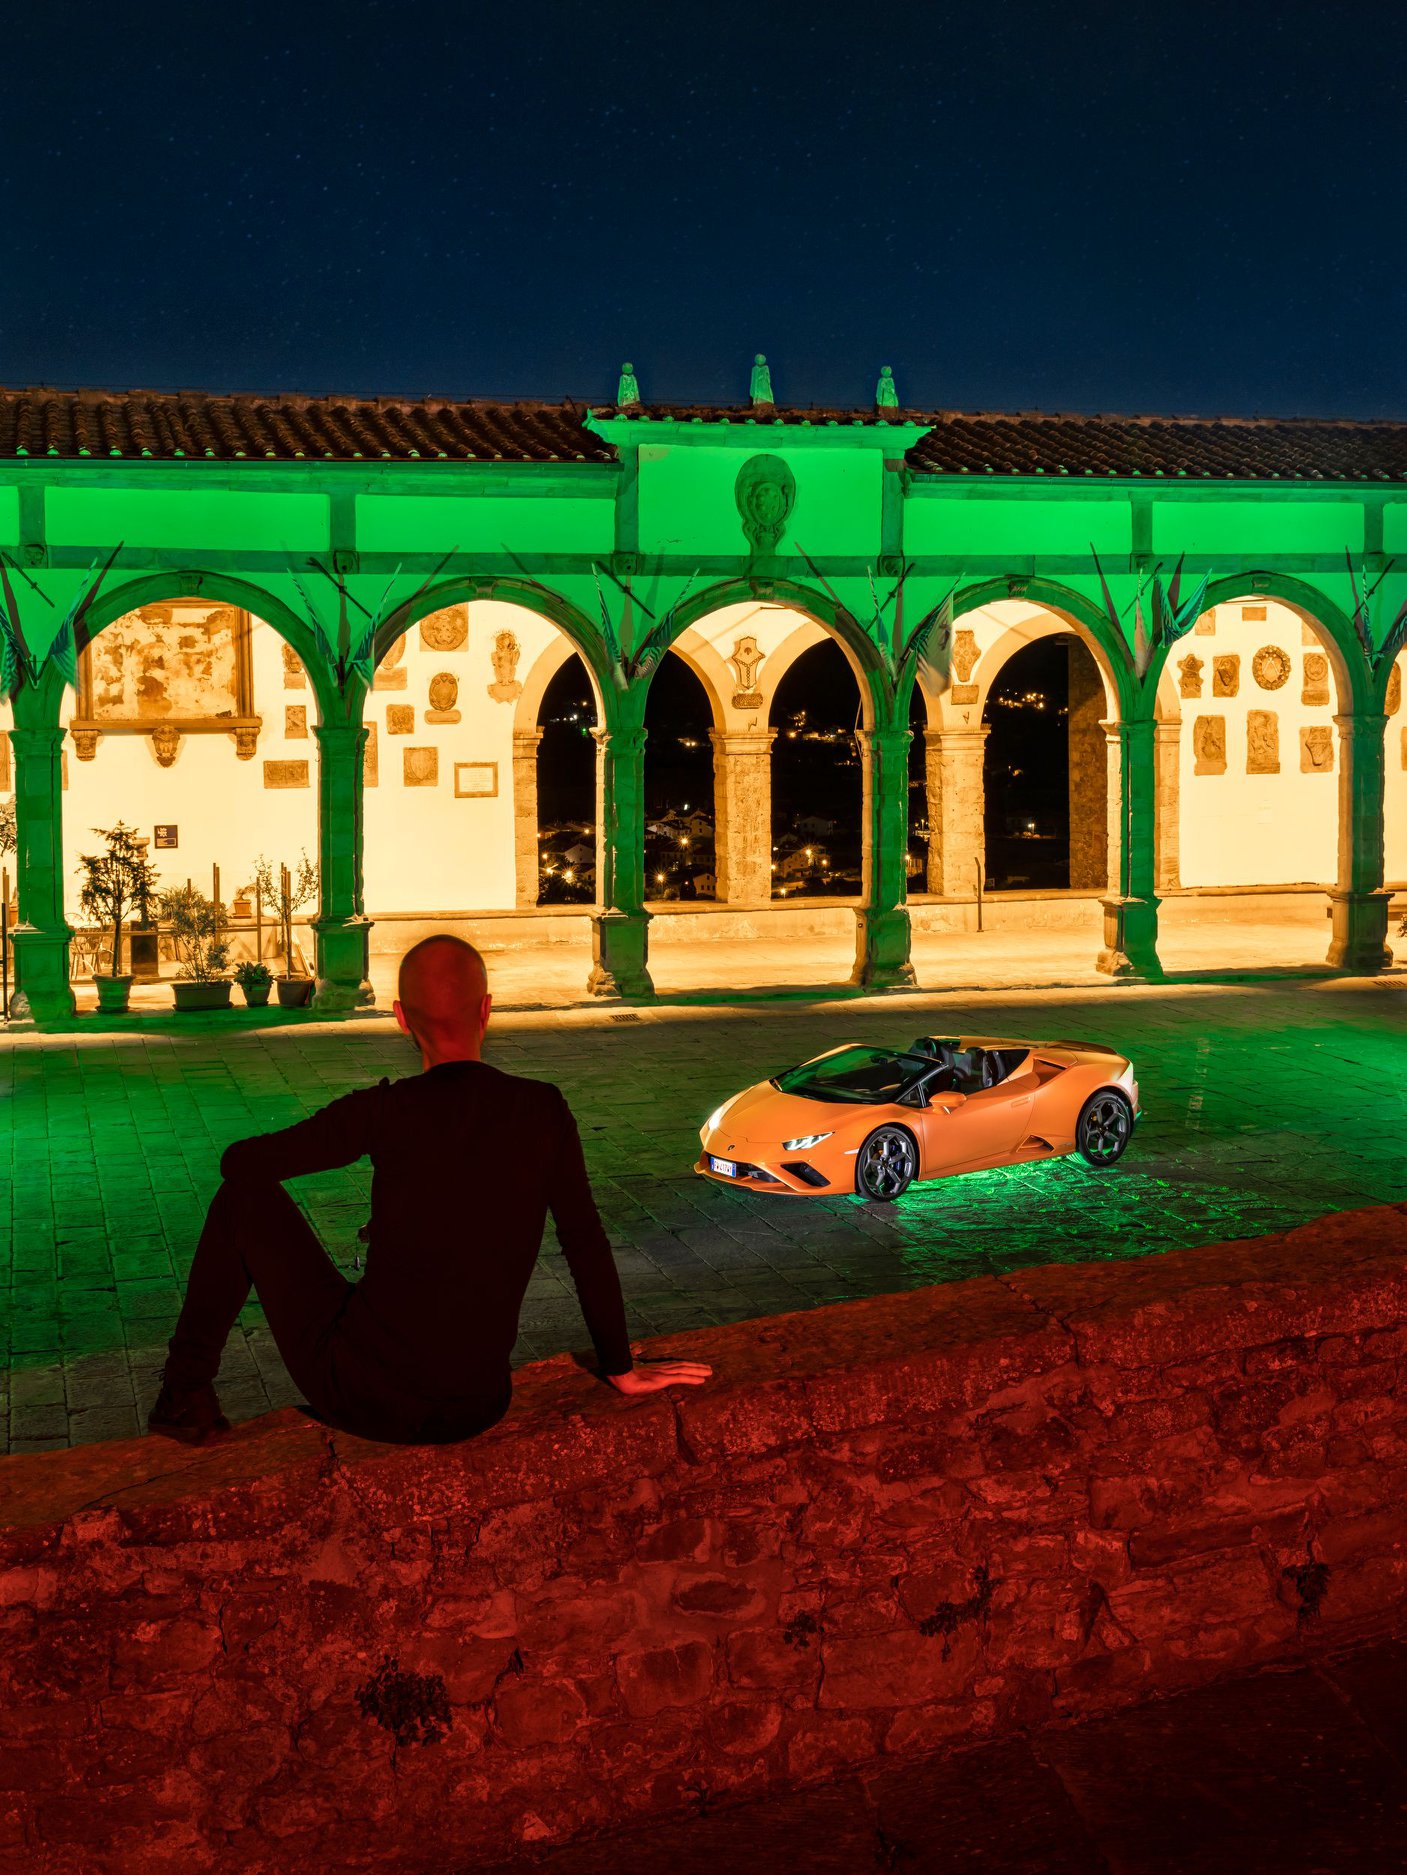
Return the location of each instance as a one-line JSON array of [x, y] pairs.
[[1194, 207]]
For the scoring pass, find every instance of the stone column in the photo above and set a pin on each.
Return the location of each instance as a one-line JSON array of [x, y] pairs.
[[1088, 772], [526, 865], [1358, 903], [1167, 782], [341, 928], [41, 937], [742, 808], [620, 924], [882, 920], [957, 837], [1131, 909]]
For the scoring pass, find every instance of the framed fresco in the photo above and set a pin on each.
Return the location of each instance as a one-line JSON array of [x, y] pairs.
[[182, 665]]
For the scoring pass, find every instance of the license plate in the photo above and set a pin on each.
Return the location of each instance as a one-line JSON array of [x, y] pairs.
[[728, 1167]]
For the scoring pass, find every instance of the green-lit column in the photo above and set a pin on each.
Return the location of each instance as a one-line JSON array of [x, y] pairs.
[[882, 920], [42, 934], [1358, 904], [1131, 911], [341, 927], [620, 926]]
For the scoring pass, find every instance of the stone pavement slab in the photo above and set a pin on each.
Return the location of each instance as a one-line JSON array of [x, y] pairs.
[[1281, 1774], [1266, 1104]]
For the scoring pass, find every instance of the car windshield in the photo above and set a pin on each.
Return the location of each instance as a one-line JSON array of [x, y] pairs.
[[864, 1076]]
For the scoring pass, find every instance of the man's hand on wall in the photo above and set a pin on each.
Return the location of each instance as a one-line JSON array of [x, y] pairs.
[[650, 1376]]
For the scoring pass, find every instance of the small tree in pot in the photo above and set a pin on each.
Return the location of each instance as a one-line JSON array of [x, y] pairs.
[[115, 885], [255, 979], [197, 930], [285, 893]]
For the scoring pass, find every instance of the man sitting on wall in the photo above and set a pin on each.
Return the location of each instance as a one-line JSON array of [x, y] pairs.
[[466, 1163]]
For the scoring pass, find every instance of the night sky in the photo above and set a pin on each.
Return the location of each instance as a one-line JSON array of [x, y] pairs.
[[1177, 207]]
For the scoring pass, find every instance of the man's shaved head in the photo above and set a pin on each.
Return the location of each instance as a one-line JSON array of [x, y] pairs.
[[443, 997]]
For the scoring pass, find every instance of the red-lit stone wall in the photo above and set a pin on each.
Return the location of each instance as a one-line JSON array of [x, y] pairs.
[[889, 1524]]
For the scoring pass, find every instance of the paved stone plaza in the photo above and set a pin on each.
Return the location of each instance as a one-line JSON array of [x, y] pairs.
[[1265, 1104]]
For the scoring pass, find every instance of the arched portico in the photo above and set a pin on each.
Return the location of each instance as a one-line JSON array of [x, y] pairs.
[[1275, 689], [130, 754]]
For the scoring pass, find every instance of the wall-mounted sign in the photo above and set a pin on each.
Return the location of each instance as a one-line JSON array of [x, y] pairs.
[[476, 779], [165, 836]]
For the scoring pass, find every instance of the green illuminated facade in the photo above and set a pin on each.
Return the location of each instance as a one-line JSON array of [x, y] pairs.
[[884, 527]]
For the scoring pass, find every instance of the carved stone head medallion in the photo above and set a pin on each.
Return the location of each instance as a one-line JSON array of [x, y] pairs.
[[765, 492]]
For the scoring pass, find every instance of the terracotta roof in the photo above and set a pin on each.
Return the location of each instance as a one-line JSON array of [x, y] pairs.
[[1303, 449], [1313, 449], [286, 427]]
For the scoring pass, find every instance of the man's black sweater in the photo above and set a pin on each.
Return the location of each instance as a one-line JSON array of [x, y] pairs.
[[466, 1164]]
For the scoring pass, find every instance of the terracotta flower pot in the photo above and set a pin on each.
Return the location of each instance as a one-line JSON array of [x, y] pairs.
[[113, 993], [192, 996], [294, 992], [256, 994]]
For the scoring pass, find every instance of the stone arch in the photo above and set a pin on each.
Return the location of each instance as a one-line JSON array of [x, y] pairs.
[[1352, 678], [956, 736], [114, 602], [532, 597], [819, 608]]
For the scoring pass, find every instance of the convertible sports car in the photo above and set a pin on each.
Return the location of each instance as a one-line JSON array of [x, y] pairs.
[[871, 1120]]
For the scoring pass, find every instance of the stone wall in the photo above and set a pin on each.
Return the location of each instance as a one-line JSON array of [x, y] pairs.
[[940, 1516]]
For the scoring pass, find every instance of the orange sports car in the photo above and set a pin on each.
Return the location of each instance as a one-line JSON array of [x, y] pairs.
[[872, 1120]]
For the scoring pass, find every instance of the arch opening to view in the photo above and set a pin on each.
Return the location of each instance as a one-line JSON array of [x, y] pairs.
[[817, 778]]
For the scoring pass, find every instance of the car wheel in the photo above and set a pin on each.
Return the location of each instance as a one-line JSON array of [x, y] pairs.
[[887, 1164], [1104, 1129]]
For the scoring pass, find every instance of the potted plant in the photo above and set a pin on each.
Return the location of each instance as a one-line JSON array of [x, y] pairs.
[[284, 895], [116, 884], [255, 979], [197, 931]]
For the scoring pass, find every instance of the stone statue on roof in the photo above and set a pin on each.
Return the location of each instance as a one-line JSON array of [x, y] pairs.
[[886, 395], [627, 391], [760, 389]]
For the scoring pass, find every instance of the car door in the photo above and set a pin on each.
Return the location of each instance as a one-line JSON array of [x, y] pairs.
[[982, 1126]]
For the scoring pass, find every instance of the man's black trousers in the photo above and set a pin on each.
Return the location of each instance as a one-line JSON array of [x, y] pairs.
[[255, 1236]]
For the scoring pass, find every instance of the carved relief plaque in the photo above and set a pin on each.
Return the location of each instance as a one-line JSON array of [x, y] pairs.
[[1253, 615], [285, 774], [444, 694], [391, 671], [1316, 678], [1271, 667], [1226, 676], [765, 493], [371, 770], [421, 767], [445, 630], [1393, 701], [965, 655], [966, 693], [505, 687], [1317, 750], [295, 720], [1206, 625], [746, 658], [1262, 743], [400, 719], [294, 676], [1190, 676], [1209, 745]]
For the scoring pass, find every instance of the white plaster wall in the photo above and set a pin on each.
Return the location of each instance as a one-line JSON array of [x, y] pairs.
[[426, 849], [1243, 829], [224, 813], [1395, 829]]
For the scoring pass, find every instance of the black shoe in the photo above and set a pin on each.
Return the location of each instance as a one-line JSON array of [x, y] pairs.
[[190, 1414]]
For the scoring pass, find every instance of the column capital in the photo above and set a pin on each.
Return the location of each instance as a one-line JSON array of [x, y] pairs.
[[742, 741], [44, 741], [620, 741], [890, 735], [340, 735], [956, 735], [1351, 722]]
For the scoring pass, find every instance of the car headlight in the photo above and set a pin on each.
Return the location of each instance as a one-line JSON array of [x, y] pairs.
[[807, 1139], [715, 1118]]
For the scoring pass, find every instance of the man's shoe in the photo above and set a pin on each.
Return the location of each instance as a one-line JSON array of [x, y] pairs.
[[190, 1414]]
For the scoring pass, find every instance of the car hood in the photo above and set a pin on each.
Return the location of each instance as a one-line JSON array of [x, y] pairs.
[[765, 1116]]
